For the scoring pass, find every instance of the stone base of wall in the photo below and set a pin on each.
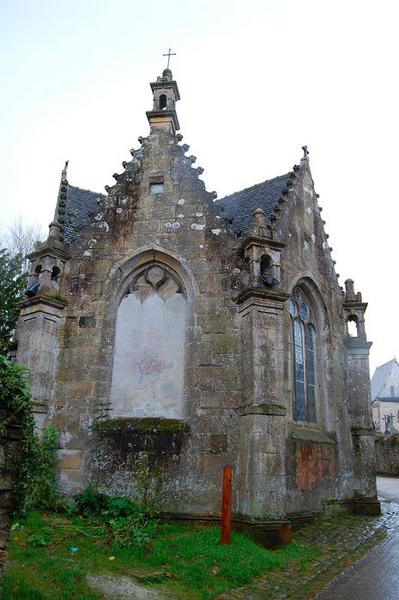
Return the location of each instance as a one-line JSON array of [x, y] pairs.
[[278, 532], [361, 506], [300, 519], [365, 506], [387, 454], [266, 532]]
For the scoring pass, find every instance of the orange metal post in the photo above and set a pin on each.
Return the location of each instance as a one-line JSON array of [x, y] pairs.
[[226, 504]]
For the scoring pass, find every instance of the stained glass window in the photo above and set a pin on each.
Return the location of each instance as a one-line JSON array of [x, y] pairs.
[[304, 357]]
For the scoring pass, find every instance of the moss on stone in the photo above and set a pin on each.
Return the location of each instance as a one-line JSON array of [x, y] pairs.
[[143, 425], [222, 319], [122, 443], [57, 296], [225, 343]]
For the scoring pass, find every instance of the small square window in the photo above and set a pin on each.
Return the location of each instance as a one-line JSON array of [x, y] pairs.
[[156, 185]]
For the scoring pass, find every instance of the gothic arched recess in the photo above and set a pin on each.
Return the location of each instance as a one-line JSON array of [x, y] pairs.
[[148, 363]]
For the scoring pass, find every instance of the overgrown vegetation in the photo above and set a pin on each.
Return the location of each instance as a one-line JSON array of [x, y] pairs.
[[125, 522], [51, 554], [37, 486], [15, 398]]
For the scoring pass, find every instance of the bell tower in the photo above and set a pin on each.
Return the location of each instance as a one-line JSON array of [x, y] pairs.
[[165, 95]]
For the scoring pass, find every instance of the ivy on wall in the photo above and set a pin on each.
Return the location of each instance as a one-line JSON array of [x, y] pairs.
[[37, 484]]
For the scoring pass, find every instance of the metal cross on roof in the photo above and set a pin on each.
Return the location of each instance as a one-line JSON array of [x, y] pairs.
[[169, 54]]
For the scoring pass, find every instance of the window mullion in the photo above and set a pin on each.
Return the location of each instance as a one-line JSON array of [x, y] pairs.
[[305, 369]]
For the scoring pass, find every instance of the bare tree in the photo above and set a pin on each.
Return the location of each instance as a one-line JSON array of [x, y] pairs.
[[20, 239]]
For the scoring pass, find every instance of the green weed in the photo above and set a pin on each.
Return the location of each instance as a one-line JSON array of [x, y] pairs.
[[191, 563]]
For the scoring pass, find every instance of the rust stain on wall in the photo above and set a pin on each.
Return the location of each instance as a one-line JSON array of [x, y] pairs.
[[313, 462]]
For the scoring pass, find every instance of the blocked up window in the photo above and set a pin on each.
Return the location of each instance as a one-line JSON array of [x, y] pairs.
[[148, 365], [304, 357]]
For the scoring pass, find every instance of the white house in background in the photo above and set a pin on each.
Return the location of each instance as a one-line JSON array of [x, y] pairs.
[[385, 396]]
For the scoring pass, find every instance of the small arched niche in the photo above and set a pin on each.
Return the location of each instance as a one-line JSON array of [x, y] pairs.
[[162, 101], [267, 270], [149, 357], [353, 326], [55, 274], [266, 266]]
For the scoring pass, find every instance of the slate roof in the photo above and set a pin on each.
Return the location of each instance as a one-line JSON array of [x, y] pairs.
[[81, 206], [238, 207], [385, 375], [387, 399]]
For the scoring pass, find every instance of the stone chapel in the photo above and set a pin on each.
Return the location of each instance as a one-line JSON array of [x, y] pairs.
[[166, 325]]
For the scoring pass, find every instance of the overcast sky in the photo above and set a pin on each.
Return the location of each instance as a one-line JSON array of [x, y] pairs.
[[258, 79]]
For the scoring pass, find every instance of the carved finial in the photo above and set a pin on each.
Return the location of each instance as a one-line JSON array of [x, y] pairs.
[[260, 227], [259, 215], [305, 151], [56, 227], [65, 170], [349, 289]]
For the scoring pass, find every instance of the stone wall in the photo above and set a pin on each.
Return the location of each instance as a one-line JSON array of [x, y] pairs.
[[157, 250], [10, 450], [387, 454]]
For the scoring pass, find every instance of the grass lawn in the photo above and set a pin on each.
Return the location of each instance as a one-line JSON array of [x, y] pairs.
[[51, 554]]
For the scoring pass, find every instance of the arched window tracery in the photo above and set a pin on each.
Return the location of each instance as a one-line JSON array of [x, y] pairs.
[[304, 357]]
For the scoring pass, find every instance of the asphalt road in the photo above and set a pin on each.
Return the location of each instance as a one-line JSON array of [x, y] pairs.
[[388, 488], [376, 576]]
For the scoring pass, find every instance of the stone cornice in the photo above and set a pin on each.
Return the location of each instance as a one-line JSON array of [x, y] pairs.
[[153, 115], [42, 299], [260, 240], [354, 344], [363, 431], [307, 434], [263, 409], [250, 293], [48, 250], [159, 85], [354, 305]]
